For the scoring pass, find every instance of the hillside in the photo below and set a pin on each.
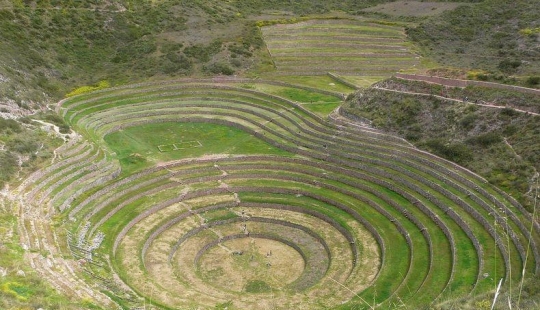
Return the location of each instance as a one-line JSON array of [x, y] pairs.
[[237, 154], [496, 36], [71, 44], [499, 143]]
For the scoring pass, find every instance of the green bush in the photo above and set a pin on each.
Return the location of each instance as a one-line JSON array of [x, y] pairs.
[[8, 166], [174, 62], [456, 152], [468, 121], [203, 53], [509, 66], [533, 80], [505, 112], [58, 121], [23, 145], [486, 139], [9, 125], [219, 68]]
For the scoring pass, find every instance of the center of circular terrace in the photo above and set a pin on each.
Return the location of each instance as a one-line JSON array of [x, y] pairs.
[[251, 265]]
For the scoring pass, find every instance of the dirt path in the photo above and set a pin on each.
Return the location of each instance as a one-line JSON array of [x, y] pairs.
[[485, 104]]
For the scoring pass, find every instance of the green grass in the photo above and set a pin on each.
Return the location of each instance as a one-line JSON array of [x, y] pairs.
[[137, 147], [323, 82], [322, 109], [305, 96], [257, 286]]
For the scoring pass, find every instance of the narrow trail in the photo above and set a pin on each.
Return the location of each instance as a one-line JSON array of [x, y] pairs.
[[511, 148], [488, 105]]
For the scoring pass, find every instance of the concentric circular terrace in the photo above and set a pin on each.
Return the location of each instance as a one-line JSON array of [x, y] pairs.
[[318, 214]]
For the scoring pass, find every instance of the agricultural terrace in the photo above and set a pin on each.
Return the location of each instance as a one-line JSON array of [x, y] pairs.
[[360, 52], [238, 194]]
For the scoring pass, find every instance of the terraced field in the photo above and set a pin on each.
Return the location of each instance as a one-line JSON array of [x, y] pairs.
[[345, 47], [300, 212]]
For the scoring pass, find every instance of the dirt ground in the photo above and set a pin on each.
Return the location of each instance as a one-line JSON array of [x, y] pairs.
[[261, 259], [223, 274]]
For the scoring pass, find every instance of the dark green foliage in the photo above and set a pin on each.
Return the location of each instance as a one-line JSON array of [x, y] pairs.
[[406, 111], [219, 68], [486, 139], [252, 36], [203, 53], [240, 49], [68, 47], [134, 50], [8, 166], [508, 112], [509, 66], [224, 306], [456, 152], [9, 125], [475, 94], [173, 63], [57, 120], [533, 81], [24, 145], [468, 121]]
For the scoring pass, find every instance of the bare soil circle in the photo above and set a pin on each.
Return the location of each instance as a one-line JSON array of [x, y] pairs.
[[251, 265]]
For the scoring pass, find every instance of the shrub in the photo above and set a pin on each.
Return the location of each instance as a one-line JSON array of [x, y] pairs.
[[176, 63], [8, 164], [509, 66], [406, 110], [510, 130], [533, 80], [468, 121], [456, 152], [508, 112], [58, 121], [203, 53], [23, 145], [236, 62], [9, 125], [486, 139], [219, 68]]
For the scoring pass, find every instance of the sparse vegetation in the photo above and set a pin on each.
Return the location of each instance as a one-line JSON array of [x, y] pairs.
[[485, 139], [490, 35]]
